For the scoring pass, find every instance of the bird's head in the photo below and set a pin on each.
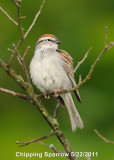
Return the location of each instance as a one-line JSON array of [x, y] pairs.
[[47, 41]]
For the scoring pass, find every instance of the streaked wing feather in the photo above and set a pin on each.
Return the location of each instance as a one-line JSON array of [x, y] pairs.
[[68, 66]]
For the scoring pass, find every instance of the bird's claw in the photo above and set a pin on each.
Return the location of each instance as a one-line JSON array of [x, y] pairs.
[[56, 92], [46, 96]]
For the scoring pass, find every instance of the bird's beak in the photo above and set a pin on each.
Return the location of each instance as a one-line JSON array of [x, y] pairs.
[[58, 42]]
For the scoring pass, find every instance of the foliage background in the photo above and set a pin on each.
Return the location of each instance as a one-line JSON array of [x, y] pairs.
[[79, 25]]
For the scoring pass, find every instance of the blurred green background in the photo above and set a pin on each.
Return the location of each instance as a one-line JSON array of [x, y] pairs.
[[79, 25]]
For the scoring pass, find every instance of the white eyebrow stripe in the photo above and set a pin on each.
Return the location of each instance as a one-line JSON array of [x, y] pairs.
[[45, 38]]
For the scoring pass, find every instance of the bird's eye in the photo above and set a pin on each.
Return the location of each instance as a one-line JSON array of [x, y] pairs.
[[50, 40]]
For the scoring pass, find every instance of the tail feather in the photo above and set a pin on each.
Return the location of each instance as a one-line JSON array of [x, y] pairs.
[[73, 113]]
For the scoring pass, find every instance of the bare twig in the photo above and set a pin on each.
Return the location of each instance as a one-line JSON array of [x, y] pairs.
[[56, 110], [22, 17], [15, 53], [26, 52], [11, 50], [15, 94], [93, 66], [21, 32], [21, 61], [103, 138], [24, 67], [80, 78], [36, 17], [79, 63], [35, 140], [16, 4], [26, 34], [106, 29], [19, 19], [11, 19]]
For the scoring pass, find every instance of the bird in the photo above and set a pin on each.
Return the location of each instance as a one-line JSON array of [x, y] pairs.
[[51, 69]]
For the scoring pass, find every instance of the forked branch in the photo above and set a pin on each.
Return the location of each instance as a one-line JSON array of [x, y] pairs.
[[35, 140], [79, 63], [22, 62], [20, 27]]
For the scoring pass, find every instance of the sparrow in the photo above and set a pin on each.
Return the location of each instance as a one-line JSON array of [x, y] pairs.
[[51, 69]]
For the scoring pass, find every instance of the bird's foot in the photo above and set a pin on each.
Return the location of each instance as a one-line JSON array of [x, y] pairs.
[[46, 95], [56, 92]]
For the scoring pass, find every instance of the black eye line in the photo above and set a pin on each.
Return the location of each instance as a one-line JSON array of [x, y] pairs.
[[50, 40]]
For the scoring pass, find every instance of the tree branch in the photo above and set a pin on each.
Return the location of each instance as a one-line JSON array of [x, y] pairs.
[[93, 66], [50, 120], [24, 67], [11, 19], [79, 63], [19, 19], [26, 52], [15, 53], [36, 17], [22, 38], [34, 140], [103, 138], [21, 61], [16, 4], [56, 110], [15, 94], [38, 140], [21, 32]]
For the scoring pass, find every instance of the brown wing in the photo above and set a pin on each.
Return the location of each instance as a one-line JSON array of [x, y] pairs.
[[68, 66]]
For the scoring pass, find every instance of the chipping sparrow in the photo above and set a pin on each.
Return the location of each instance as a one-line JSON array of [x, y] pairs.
[[52, 68]]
